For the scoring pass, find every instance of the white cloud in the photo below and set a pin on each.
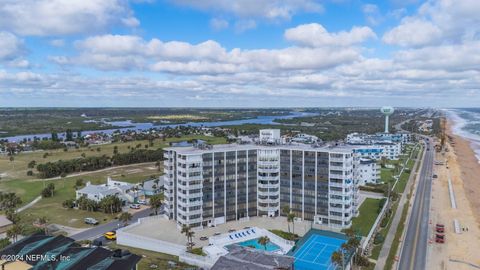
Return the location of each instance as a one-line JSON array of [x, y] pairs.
[[218, 24], [315, 35], [63, 17], [121, 52], [269, 9], [438, 22], [413, 32], [244, 25], [372, 14], [57, 42], [11, 47]]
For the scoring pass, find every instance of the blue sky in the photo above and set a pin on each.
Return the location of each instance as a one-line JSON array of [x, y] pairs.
[[244, 53]]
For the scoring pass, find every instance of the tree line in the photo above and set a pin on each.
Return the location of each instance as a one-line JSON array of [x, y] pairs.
[[63, 167]]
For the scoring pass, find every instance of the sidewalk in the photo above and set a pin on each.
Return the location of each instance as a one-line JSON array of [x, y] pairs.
[[387, 244]]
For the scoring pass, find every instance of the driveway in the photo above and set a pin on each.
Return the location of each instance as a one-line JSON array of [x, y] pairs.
[[98, 230]]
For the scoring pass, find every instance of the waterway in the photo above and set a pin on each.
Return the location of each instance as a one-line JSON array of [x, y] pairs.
[[129, 125]]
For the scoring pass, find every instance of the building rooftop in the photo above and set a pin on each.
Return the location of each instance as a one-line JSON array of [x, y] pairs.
[[99, 189], [232, 147], [242, 258], [79, 257]]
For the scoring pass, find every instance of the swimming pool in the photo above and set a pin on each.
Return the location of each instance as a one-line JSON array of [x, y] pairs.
[[314, 250], [254, 243]]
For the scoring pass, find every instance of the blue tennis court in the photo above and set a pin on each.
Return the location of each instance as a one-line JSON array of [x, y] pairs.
[[315, 252]]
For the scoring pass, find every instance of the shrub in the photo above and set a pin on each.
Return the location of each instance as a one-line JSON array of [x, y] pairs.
[[378, 239], [70, 203]]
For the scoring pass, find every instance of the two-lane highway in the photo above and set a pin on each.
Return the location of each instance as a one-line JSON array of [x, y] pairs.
[[414, 249]]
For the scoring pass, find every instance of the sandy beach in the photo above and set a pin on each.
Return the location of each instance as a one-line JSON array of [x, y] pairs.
[[470, 171], [461, 250]]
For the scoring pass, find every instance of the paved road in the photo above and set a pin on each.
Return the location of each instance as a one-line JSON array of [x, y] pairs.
[[387, 244], [98, 230], [414, 249]]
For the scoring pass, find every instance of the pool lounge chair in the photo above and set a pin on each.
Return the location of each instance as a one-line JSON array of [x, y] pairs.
[[247, 232], [231, 237]]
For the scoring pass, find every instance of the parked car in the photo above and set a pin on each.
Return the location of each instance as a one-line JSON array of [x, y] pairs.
[[434, 176], [439, 225], [144, 202], [440, 229], [91, 221], [135, 206], [110, 235]]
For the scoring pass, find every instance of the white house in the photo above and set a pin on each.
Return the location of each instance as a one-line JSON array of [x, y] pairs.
[[125, 191]]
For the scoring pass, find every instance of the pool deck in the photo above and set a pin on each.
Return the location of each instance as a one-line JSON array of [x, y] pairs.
[[166, 230]]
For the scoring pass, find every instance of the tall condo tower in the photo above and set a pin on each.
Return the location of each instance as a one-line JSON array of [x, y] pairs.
[[387, 111]]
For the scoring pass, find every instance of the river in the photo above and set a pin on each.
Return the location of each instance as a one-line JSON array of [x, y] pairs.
[[129, 125]]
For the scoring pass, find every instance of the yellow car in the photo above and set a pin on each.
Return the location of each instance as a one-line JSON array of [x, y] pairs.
[[110, 235]]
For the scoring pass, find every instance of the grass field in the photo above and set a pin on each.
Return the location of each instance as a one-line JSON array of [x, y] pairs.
[[28, 188], [18, 168], [368, 214], [52, 209]]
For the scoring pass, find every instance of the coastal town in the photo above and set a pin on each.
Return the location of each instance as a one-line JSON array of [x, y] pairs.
[[239, 135], [215, 191]]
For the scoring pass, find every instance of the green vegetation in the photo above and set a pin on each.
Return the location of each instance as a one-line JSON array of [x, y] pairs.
[[52, 169], [285, 235], [369, 211], [19, 121], [160, 260], [198, 251]]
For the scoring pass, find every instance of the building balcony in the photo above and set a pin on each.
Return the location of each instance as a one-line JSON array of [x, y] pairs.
[[340, 193], [269, 185], [340, 185], [268, 193]]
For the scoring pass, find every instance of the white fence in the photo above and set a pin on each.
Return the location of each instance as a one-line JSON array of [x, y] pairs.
[[375, 225], [200, 261]]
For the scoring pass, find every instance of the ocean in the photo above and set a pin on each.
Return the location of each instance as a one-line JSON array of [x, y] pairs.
[[466, 124]]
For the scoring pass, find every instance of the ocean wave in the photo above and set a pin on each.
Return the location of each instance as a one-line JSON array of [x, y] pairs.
[[466, 124]]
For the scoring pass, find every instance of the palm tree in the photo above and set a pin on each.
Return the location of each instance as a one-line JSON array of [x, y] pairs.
[[264, 240], [337, 258], [286, 211], [14, 232], [42, 221], [189, 234], [291, 218], [156, 202], [11, 160], [125, 217]]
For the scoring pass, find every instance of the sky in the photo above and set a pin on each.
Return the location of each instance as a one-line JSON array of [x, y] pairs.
[[239, 53]]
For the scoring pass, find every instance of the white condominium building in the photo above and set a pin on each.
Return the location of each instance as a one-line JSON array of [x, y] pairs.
[[212, 185]]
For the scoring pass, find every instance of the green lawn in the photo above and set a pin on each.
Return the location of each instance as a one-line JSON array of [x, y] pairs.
[[386, 175], [18, 168], [29, 188], [368, 214]]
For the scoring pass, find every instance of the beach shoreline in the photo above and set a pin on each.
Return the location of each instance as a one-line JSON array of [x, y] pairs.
[[469, 166]]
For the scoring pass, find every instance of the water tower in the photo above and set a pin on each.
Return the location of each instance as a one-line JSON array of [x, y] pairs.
[[387, 111]]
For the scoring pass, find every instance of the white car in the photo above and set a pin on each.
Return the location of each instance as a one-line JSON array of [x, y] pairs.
[[144, 202], [135, 206]]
